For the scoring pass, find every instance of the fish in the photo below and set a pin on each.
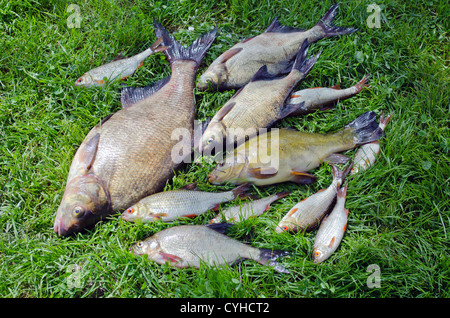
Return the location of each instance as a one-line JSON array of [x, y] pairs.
[[332, 229], [282, 155], [259, 104], [118, 69], [247, 210], [307, 214], [322, 98], [188, 202], [193, 245], [128, 155], [367, 154], [276, 47]]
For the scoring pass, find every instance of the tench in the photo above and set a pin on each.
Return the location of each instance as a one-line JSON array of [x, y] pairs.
[[193, 245], [319, 98], [276, 47], [121, 68], [247, 210], [282, 155], [184, 202], [367, 154], [128, 156], [332, 228], [307, 214], [259, 104]]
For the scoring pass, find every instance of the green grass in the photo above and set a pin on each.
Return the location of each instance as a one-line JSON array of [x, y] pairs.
[[399, 209]]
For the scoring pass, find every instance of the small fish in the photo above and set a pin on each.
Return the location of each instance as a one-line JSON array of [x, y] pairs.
[[322, 97], [332, 228], [121, 68], [288, 156], [247, 210], [128, 155], [185, 202], [192, 245], [367, 154], [259, 104], [306, 215], [276, 47]]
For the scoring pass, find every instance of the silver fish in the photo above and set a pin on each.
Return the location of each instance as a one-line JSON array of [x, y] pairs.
[[276, 48], [332, 229], [247, 210], [306, 214], [121, 68], [322, 97], [185, 202], [128, 156], [194, 245], [367, 154], [259, 104]]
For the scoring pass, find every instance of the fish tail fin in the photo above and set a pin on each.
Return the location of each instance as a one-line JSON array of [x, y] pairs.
[[196, 52], [302, 64], [329, 29], [282, 194], [384, 120], [238, 191], [342, 191], [267, 257], [366, 128], [339, 174]]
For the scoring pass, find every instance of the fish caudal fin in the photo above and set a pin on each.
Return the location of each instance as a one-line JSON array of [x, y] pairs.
[[339, 174], [366, 128], [342, 191], [176, 51], [326, 23], [302, 64], [267, 257]]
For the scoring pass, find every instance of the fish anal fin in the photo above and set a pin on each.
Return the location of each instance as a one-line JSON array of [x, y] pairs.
[[337, 158], [190, 186]]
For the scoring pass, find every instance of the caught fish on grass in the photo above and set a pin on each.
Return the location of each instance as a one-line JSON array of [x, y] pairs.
[[186, 202], [321, 98], [118, 69], [367, 154], [193, 245], [283, 155], [332, 229], [259, 104], [307, 214], [276, 47], [128, 156], [247, 210]]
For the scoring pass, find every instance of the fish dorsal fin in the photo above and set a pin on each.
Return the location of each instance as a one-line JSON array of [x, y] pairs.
[[132, 95], [190, 186], [220, 227], [230, 53], [276, 26], [263, 75], [87, 156], [225, 110]]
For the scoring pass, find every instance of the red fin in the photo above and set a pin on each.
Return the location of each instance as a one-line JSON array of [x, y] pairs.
[[190, 186], [170, 257], [191, 216], [295, 96], [292, 211], [267, 208], [336, 86], [230, 53], [101, 82], [141, 64], [215, 208], [332, 242], [124, 78], [345, 227], [346, 211], [159, 215]]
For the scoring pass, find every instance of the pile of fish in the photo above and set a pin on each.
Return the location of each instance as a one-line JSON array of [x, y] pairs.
[[125, 161]]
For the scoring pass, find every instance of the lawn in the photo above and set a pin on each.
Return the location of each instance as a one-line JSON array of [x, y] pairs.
[[397, 239]]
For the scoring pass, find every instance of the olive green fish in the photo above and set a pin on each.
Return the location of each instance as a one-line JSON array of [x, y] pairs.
[[259, 104], [118, 69], [193, 245], [276, 47], [128, 156], [185, 202], [282, 155]]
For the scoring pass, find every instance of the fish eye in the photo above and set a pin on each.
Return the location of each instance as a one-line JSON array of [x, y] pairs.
[[285, 228], [130, 210], [78, 211], [210, 140], [317, 254], [221, 164], [79, 80], [140, 244]]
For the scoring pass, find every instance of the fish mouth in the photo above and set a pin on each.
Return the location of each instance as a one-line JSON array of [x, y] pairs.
[[61, 228], [212, 177]]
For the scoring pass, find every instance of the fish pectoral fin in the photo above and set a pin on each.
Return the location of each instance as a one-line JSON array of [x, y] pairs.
[[159, 216], [288, 109], [302, 177], [337, 158], [190, 186], [263, 75], [262, 172], [332, 242], [230, 53], [88, 153], [170, 257], [225, 110], [190, 216]]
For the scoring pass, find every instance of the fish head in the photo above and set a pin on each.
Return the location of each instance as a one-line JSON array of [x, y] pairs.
[[85, 80], [320, 253], [148, 247], [229, 170], [133, 213], [287, 225], [212, 138], [84, 203], [214, 77]]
